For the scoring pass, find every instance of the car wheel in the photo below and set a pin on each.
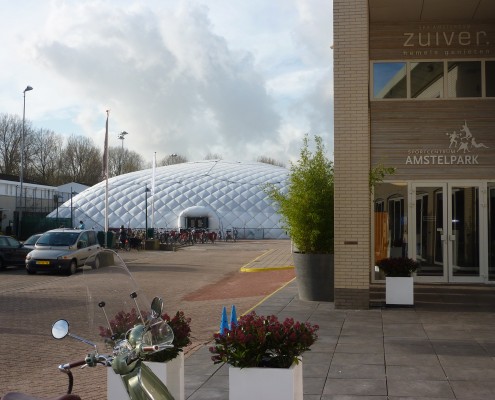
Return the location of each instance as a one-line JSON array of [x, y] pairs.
[[72, 268], [30, 271]]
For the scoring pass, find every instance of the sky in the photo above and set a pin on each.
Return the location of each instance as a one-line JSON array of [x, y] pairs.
[[240, 79]]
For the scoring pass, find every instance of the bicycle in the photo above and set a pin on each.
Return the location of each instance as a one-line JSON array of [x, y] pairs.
[[123, 246]]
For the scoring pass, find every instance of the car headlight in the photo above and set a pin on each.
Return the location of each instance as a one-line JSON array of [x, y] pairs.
[[28, 257]]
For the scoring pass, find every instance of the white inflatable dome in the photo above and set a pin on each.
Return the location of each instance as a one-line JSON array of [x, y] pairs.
[[213, 194]]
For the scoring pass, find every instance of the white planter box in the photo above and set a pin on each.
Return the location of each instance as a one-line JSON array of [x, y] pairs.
[[399, 290], [170, 373], [266, 383]]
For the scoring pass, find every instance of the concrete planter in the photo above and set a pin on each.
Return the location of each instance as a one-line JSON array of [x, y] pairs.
[[399, 290], [152, 244], [314, 276], [170, 373], [266, 383]]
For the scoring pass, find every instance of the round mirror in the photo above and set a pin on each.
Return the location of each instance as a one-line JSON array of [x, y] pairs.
[[60, 329], [156, 307]]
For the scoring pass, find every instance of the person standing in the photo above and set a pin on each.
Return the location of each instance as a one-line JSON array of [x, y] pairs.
[[81, 225], [122, 236]]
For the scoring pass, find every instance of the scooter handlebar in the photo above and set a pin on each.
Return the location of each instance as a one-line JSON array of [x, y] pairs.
[[156, 347], [148, 349], [68, 366]]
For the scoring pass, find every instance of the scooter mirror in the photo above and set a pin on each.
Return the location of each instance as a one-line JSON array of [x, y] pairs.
[[60, 329], [156, 307]]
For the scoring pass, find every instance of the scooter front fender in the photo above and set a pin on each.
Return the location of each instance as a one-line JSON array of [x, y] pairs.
[[143, 384]]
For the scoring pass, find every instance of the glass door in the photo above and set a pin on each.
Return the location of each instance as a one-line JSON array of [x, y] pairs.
[[464, 232], [491, 230], [448, 232], [430, 216]]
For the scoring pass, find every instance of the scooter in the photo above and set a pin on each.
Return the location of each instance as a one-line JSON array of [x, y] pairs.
[[118, 319]]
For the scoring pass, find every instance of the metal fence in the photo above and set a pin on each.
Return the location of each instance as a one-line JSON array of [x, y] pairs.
[[260, 233]]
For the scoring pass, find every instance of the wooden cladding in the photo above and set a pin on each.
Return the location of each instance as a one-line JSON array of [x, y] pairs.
[[432, 41], [434, 139]]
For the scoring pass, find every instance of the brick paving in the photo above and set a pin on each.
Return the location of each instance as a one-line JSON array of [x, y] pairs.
[[442, 348], [200, 280]]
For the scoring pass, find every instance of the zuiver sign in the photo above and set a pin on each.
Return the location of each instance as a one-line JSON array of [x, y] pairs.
[[428, 41], [463, 149], [446, 40]]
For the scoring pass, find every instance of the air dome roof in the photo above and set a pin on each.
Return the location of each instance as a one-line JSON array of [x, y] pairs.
[[221, 194]]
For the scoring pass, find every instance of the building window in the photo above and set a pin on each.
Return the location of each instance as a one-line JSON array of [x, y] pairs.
[[490, 78], [464, 79], [427, 80], [389, 80]]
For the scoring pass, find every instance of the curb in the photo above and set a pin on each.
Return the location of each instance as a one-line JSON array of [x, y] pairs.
[[261, 269], [247, 267]]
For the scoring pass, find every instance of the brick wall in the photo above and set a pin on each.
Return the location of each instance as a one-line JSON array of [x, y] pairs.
[[352, 154]]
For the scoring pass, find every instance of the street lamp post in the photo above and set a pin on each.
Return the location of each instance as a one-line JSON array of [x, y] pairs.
[[21, 176], [55, 198], [72, 193], [121, 137]]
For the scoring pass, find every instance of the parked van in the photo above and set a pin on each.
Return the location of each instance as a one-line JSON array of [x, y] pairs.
[[62, 250]]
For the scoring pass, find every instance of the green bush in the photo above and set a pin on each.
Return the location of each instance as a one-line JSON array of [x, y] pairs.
[[398, 266], [307, 206], [263, 342]]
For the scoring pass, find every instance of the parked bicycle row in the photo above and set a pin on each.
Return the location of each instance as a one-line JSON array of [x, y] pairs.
[[128, 238]]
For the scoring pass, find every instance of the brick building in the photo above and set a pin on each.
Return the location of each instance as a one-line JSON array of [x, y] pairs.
[[415, 90]]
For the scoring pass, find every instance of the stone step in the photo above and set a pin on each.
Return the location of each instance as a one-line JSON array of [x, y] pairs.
[[443, 296]]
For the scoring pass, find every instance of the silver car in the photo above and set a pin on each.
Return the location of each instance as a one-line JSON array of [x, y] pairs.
[[62, 250], [31, 241]]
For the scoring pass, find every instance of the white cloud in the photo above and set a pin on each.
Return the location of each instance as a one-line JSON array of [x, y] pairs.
[[190, 77]]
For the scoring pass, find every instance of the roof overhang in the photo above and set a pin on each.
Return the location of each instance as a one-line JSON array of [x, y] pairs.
[[391, 11]]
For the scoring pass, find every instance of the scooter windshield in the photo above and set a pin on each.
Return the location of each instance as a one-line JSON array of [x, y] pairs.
[[117, 309]]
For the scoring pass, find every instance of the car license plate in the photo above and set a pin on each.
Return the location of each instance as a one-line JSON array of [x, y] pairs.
[[43, 262]]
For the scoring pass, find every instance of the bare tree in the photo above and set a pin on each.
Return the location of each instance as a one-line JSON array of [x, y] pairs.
[[45, 147], [10, 143], [269, 160], [47, 160], [93, 167], [81, 161], [132, 162], [213, 156], [172, 159], [123, 161]]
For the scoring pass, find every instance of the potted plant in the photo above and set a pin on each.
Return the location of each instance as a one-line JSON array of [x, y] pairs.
[[306, 209], [167, 364], [399, 284], [264, 355]]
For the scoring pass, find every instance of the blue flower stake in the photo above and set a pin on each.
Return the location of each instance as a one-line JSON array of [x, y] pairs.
[[224, 324], [233, 317]]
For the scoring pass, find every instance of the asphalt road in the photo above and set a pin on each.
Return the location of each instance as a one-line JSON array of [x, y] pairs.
[[199, 280]]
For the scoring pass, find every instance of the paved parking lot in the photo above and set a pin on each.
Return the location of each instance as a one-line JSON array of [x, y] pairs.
[[200, 280], [443, 347]]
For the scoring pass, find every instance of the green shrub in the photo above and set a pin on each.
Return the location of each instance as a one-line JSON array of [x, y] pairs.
[[398, 266], [307, 206]]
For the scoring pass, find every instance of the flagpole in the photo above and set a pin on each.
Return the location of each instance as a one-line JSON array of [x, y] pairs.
[[153, 193], [105, 166]]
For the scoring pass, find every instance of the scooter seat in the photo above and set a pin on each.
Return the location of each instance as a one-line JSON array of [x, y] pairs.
[[22, 396]]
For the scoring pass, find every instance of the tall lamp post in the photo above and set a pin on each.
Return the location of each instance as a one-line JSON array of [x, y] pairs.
[[72, 193], [21, 176], [121, 137]]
